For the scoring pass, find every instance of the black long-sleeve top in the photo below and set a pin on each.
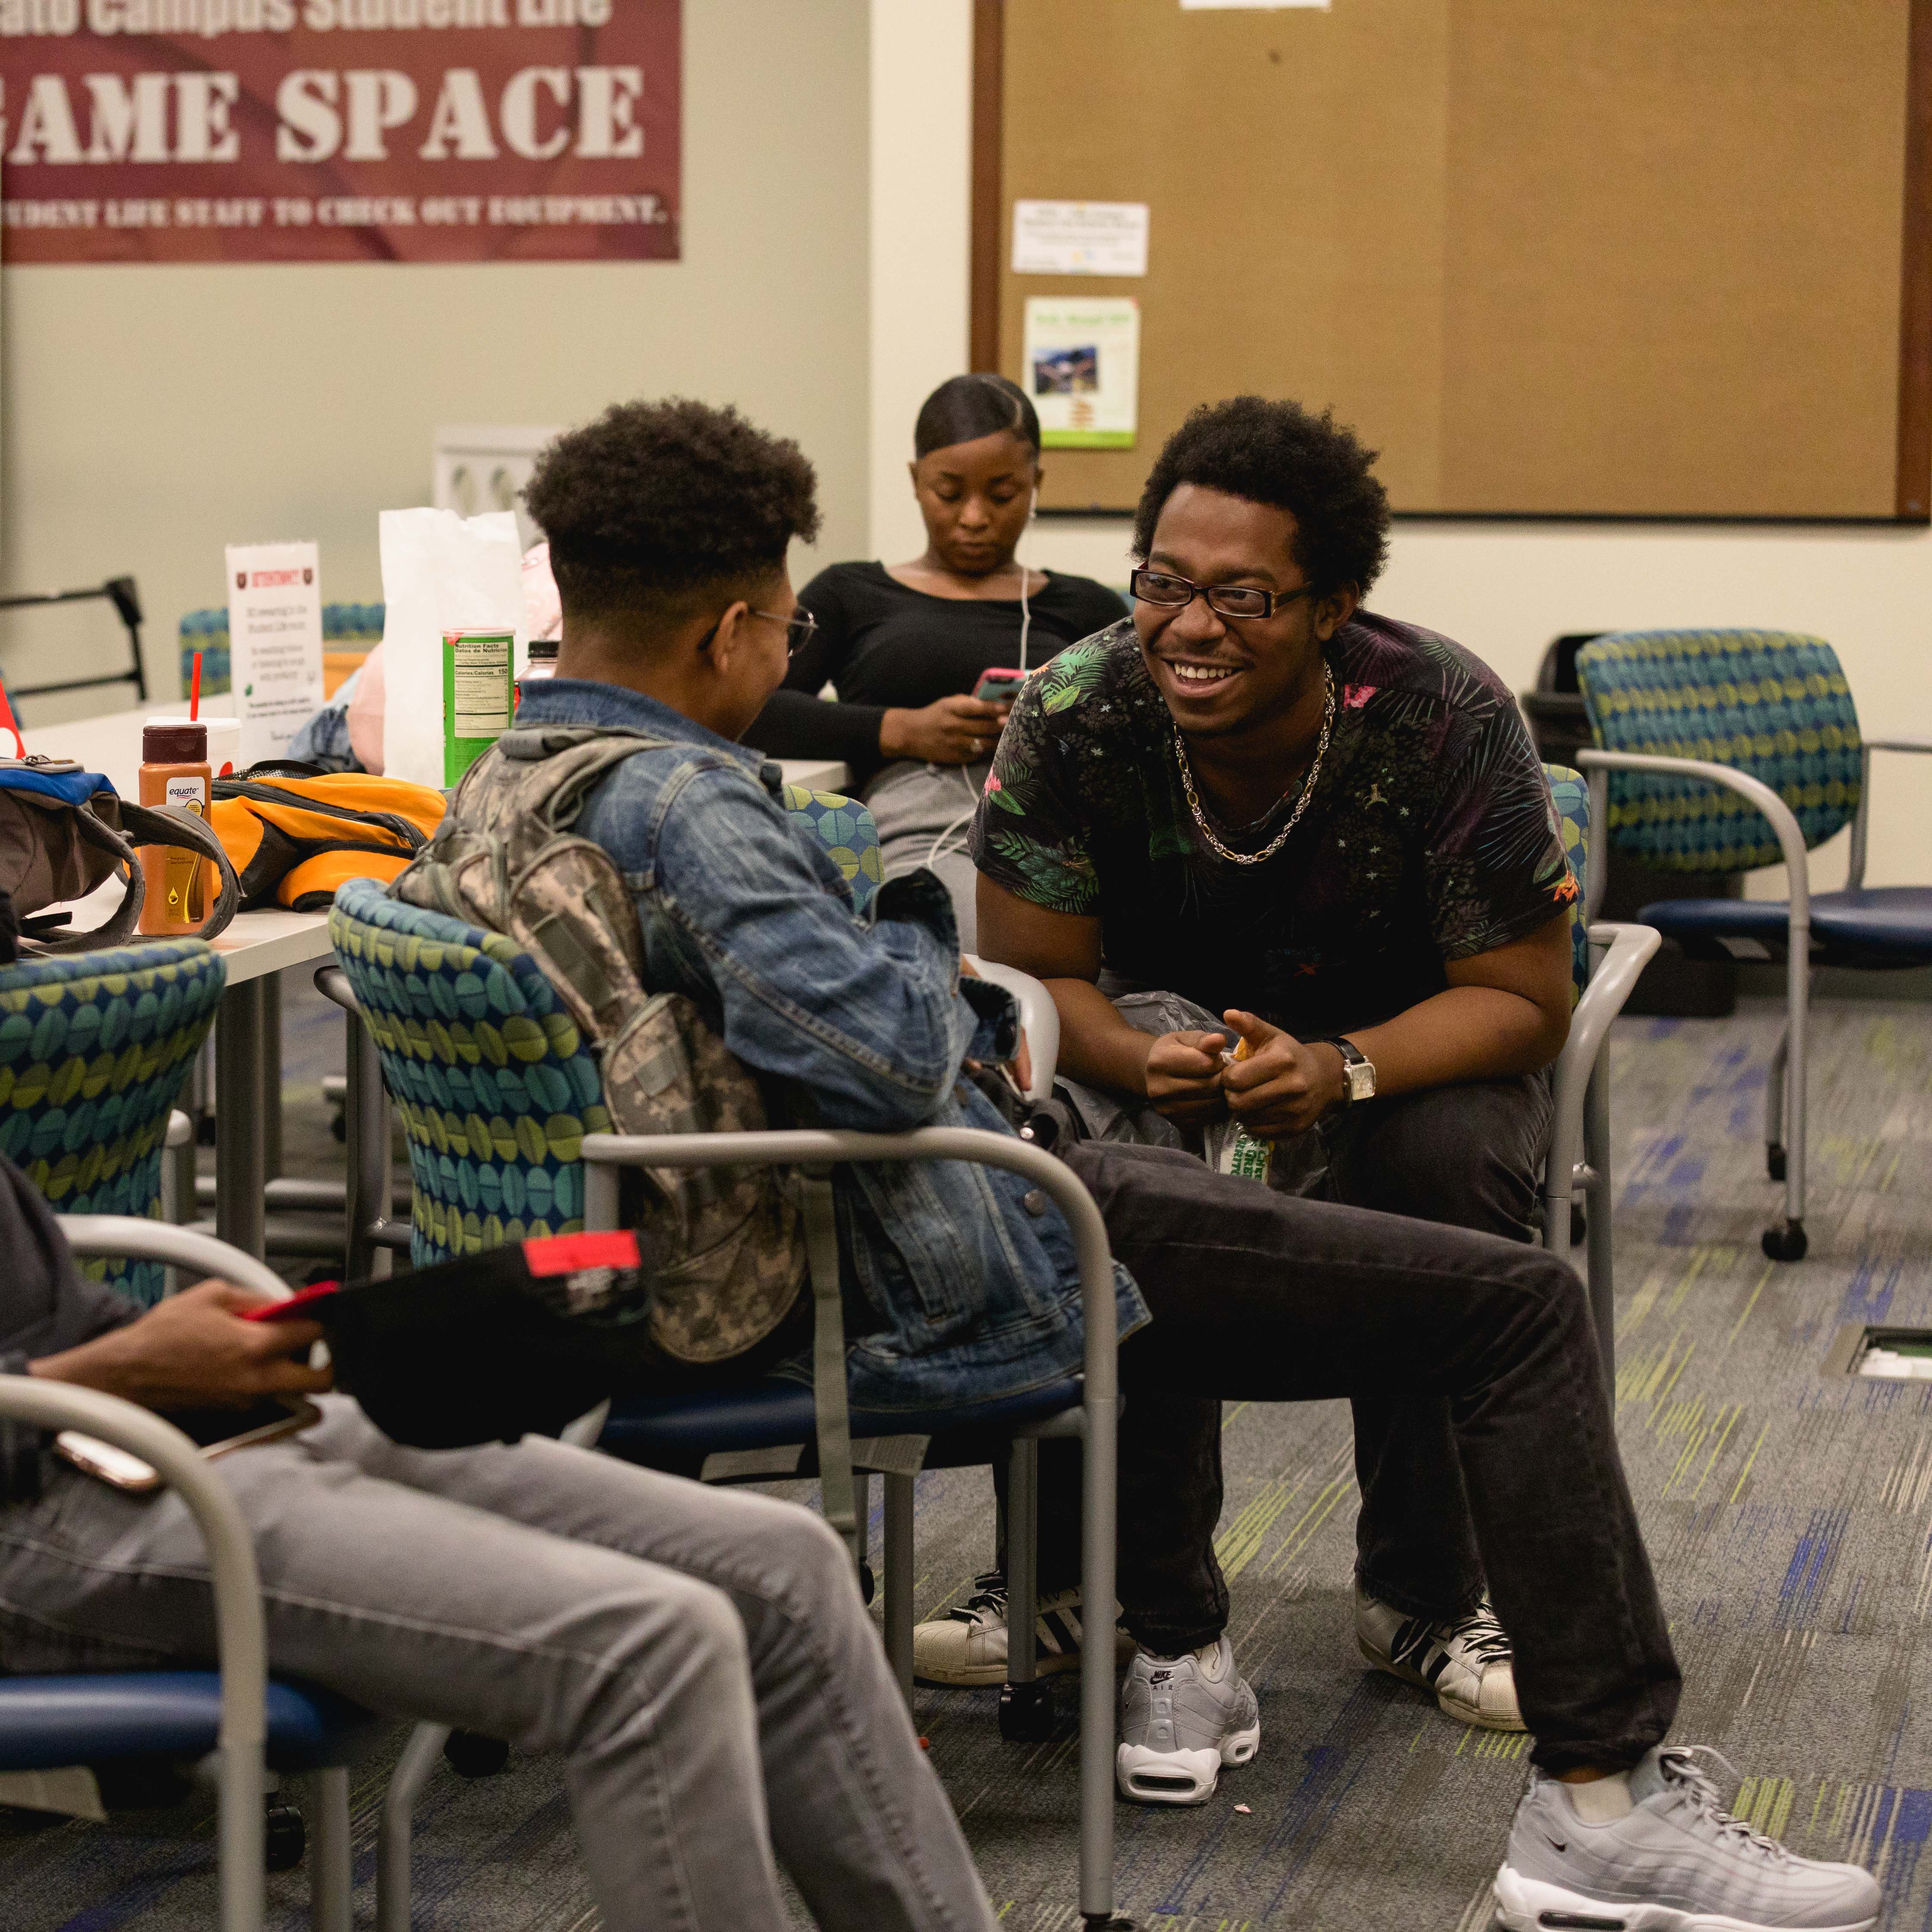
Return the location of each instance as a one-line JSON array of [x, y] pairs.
[[887, 646]]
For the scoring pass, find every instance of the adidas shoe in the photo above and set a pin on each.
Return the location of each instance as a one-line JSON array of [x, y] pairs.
[[968, 1645], [1677, 1862], [1182, 1718], [1464, 1664]]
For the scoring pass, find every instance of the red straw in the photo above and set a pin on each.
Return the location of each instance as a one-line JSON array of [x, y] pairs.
[[194, 695], [7, 724]]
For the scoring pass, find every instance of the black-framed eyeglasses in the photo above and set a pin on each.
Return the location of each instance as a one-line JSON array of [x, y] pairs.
[[801, 627], [1171, 592]]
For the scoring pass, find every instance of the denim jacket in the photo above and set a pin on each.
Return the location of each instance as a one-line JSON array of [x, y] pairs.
[[961, 1283]]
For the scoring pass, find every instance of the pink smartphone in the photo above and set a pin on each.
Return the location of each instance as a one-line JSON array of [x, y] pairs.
[[997, 686]]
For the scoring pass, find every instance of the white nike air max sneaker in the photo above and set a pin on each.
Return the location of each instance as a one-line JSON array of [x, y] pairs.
[[1182, 1718], [968, 1645], [1677, 1862], [1463, 1662]]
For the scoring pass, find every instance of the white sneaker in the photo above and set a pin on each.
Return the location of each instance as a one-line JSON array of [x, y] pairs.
[[968, 1645], [1677, 1862], [1182, 1718], [1464, 1663]]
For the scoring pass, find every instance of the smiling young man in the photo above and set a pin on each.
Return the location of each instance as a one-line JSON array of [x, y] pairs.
[[1268, 821]]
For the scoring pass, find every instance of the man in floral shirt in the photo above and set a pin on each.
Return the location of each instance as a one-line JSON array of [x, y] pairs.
[[1253, 818]]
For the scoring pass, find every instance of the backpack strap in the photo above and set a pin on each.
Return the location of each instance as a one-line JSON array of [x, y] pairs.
[[143, 825]]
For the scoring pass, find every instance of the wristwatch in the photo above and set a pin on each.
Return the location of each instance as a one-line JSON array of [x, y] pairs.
[[1358, 1071]]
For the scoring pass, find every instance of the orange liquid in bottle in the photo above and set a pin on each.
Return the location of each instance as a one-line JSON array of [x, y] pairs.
[[174, 771]]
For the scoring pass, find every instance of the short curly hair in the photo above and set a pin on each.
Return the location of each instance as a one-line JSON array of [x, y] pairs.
[[656, 505], [1281, 454]]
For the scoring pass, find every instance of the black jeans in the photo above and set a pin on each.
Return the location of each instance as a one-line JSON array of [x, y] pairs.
[[1262, 1297]]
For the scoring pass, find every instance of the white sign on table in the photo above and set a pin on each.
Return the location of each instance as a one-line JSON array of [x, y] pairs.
[[1080, 238], [274, 643]]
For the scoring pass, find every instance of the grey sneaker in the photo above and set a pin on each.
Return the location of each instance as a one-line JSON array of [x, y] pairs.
[[1679, 1862], [1465, 1663], [1181, 1720], [968, 1645]]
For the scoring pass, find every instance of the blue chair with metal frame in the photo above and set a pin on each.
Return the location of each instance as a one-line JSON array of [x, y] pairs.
[[251, 1723], [1725, 751]]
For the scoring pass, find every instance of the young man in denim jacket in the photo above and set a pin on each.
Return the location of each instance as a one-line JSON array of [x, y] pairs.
[[669, 525]]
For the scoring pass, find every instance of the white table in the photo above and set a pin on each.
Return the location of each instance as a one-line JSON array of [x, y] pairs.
[[256, 947]]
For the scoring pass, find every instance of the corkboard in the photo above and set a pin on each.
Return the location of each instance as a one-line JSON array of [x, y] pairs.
[[1644, 259]]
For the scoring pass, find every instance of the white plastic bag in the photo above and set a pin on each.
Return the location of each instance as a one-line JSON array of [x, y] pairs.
[[440, 572]]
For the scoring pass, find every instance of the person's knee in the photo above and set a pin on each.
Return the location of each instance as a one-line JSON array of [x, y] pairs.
[[1466, 1156]]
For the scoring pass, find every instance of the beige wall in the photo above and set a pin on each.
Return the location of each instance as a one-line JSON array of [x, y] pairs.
[[155, 413], [1505, 590]]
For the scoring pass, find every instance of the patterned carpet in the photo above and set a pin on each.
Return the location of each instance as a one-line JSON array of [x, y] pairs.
[[1789, 1513]]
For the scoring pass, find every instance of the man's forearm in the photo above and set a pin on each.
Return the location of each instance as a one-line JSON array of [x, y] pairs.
[[1463, 1034], [1097, 1047]]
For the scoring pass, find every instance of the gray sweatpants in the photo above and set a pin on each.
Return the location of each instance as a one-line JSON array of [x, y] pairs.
[[700, 1657]]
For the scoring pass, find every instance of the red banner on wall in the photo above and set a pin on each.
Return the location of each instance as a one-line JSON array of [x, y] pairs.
[[304, 131]]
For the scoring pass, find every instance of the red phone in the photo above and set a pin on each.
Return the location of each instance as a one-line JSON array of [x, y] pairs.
[[997, 686]]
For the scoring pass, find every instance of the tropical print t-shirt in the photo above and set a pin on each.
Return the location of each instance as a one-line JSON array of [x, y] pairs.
[[1430, 836]]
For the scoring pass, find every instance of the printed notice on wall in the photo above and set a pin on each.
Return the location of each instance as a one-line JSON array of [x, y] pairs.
[[1080, 238], [1083, 369], [340, 130], [274, 644]]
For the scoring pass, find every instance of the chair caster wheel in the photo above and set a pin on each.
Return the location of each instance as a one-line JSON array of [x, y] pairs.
[[338, 1127], [284, 1838], [869, 1584], [1579, 1227], [469, 1755], [1774, 1161], [1787, 1242], [1026, 1712]]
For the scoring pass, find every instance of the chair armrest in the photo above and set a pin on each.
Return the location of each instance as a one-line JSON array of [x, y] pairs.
[[1855, 860], [603, 1154], [1038, 1014], [332, 983], [93, 1235], [241, 1640], [1599, 764], [1628, 950]]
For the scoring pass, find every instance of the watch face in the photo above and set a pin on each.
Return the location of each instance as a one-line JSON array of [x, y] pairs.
[[1361, 1078]]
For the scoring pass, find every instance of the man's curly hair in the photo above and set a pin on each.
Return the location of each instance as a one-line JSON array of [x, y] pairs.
[[656, 506], [1281, 454]]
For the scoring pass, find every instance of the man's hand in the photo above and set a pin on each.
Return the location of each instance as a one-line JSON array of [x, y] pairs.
[[1279, 1087], [1184, 1078], [951, 731], [194, 1350]]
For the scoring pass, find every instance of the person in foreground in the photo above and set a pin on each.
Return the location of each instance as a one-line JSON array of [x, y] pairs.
[[1257, 816], [701, 1657], [669, 525], [907, 644]]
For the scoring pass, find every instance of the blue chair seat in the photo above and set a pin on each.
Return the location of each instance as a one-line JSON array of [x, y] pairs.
[[46, 1722], [1877, 926], [676, 1432]]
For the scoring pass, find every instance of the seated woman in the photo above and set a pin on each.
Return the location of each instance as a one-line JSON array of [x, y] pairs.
[[907, 644]]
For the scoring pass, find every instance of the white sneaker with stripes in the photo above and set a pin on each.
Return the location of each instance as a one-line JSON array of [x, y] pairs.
[[1464, 1663], [968, 1645]]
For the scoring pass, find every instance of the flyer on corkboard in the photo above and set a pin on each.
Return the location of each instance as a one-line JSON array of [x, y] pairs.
[[306, 131]]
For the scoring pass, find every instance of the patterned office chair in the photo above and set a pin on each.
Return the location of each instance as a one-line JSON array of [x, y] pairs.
[[95, 1047], [1725, 751]]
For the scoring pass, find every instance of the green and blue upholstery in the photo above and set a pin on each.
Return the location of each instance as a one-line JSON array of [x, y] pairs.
[[496, 1086], [345, 627], [95, 1048], [1770, 702], [1571, 793]]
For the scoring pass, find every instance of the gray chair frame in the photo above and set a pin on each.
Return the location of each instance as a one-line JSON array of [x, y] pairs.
[[240, 1638]]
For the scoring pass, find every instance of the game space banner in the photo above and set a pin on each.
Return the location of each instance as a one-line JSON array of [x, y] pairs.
[[339, 130]]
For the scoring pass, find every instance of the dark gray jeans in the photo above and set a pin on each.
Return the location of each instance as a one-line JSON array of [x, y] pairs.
[[1262, 1297]]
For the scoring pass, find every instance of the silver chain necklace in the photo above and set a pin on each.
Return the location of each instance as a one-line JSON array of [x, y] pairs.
[[1280, 838]]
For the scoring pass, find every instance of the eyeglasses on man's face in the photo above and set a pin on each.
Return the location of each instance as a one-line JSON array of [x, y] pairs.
[[1170, 592], [801, 627]]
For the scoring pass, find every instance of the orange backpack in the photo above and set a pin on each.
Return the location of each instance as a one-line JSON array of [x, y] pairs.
[[294, 834]]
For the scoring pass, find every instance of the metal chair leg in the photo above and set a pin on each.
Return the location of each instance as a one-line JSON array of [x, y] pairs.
[[420, 1756], [329, 1865], [1599, 1229], [897, 1564], [1026, 1704], [1774, 1109], [1786, 1241]]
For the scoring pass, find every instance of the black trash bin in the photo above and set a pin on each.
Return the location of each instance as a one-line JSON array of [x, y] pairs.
[[1671, 985]]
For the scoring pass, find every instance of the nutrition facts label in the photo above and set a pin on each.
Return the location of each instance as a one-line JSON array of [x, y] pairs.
[[480, 687]]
